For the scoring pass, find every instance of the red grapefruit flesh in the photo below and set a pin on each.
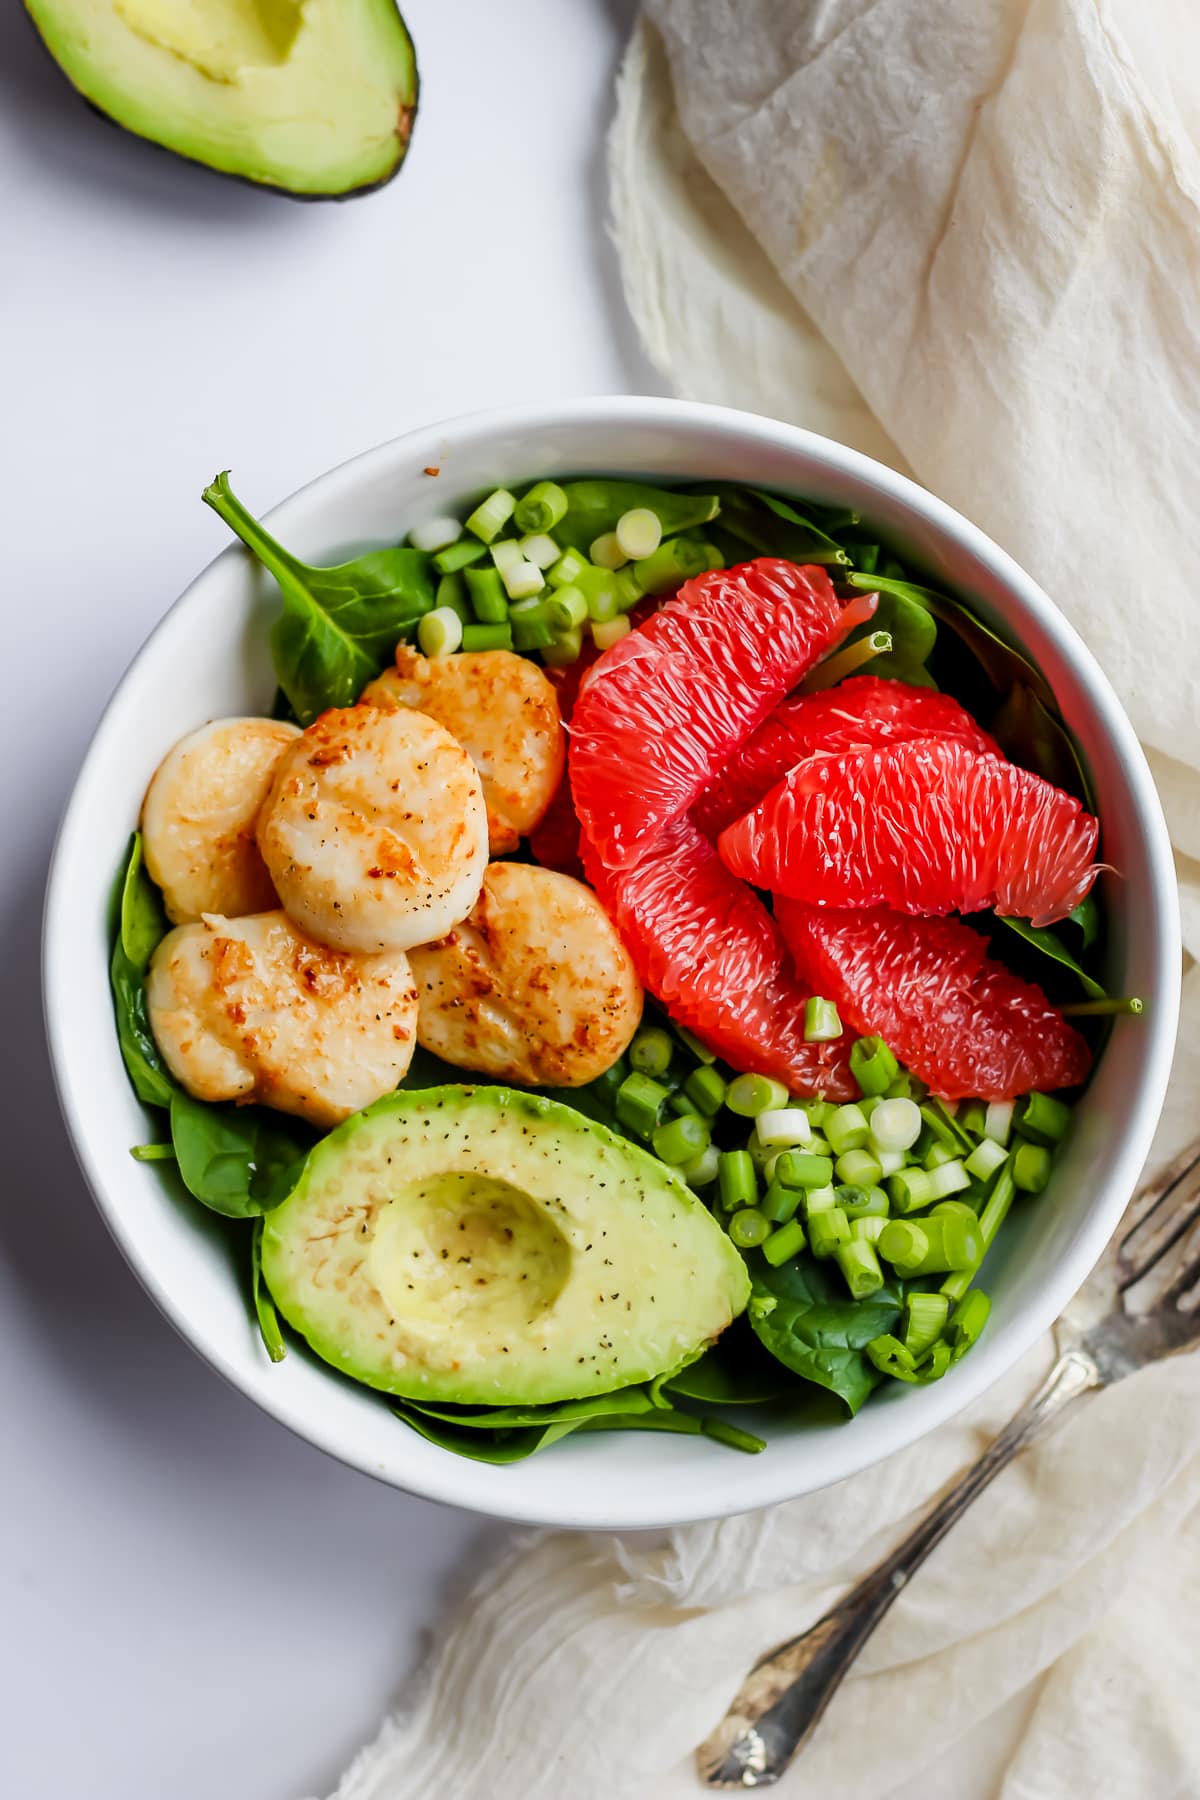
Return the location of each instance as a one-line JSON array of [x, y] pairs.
[[925, 827], [662, 711], [959, 1020], [706, 947], [858, 714]]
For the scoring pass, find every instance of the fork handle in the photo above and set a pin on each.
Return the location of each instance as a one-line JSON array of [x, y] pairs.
[[779, 1703]]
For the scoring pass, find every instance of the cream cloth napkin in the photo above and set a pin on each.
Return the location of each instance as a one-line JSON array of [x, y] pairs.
[[966, 238]]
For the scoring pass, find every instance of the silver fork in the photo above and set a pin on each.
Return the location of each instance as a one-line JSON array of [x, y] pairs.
[[1141, 1303]]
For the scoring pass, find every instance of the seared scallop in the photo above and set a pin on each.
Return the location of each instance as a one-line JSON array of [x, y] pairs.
[[504, 712], [374, 830], [199, 815], [535, 986], [250, 1009]]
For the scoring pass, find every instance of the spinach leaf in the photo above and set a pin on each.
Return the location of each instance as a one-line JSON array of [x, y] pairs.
[[913, 631], [1087, 916], [1031, 734], [804, 1317], [735, 1371], [482, 1446], [1003, 665], [140, 924], [773, 527], [264, 1306], [239, 1160], [594, 506], [339, 625], [1043, 939], [628, 1402]]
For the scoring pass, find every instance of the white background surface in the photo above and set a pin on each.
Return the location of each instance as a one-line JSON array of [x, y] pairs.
[[195, 1605]]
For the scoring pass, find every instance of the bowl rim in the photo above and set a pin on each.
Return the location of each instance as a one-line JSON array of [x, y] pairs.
[[458, 1481]]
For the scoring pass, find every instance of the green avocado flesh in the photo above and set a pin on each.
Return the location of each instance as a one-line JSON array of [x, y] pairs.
[[487, 1246], [313, 96]]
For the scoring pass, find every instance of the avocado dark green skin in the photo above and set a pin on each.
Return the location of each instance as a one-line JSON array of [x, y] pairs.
[[407, 119]]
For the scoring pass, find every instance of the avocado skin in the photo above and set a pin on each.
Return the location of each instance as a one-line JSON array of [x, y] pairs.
[[602, 1268], [408, 114]]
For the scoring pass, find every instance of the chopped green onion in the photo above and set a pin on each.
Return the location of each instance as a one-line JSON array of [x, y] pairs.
[[818, 1111], [629, 588], [891, 1358], [801, 1169], [1042, 1118], [869, 1228], [967, 1321], [1099, 1009], [651, 1050], [639, 1103], [1031, 1167], [607, 632], [700, 1051], [820, 1145], [702, 1169], [153, 1153], [815, 1200], [639, 532], [748, 1095], [934, 1246], [492, 514], [859, 1202], [452, 592], [936, 1360], [936, 1155], [785, 1243], [822, 1022], [521, 579], [732, 1436], [944, 1126], [985, 1159], [435, 534], [749, 1228], [995, 1210], [568, 608], [835, 668], [682, 1140], [860, 1265], [737, 1183], [905, 1087], [539, 549], [998, 1120], [487, 637], [440, 632], [707, 1089], [532, 628], [566, 649], [972, 1116], [890, 1161], [567, 569], [873, 1065], [895, 1124], [783, 1127], [925, 1317], [780, 1203], [846, 1128], [950, 1178], [671, 565], [458, 556], [909, 1190], [828, 1230], [679, 1103], [541, 508], [487, 596], [606, 552], [858, 1168]]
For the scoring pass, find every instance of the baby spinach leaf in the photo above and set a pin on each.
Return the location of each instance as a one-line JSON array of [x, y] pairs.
[[913, 631], [1043, 939], [1003, 665], [773, 527], [339, 625], [264, 1306], [237, 1160], [1030, 733], [627, 1401], [140, 924], [804, 1317], [735, 1371], [1087, 917], [594, 506], [482, 1446]]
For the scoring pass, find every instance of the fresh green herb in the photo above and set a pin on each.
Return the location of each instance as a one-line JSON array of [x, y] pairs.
[[238, 1160], [141, 924], [802, 1313], [594, 507], [339, 625], [264, 1306]]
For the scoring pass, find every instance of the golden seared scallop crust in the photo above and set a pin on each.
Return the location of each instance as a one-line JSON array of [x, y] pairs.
[[199, 815], [251, 1009], [504, 712], [374, 829], [535, 987]]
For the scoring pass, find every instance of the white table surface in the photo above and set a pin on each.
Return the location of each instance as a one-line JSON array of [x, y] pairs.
[[195, 1605]]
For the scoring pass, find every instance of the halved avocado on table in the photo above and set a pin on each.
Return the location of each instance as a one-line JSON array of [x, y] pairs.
[[485, 1246], [316, 97]]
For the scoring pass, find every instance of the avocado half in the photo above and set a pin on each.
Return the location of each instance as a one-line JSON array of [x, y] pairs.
[[313, 97], [489, 1246]]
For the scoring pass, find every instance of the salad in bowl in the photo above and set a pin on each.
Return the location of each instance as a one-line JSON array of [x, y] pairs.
[[634, 973]]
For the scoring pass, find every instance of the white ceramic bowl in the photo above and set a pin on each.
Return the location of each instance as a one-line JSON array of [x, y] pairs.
[[209, 658]]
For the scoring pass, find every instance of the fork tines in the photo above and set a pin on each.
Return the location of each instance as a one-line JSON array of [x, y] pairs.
[[1166, 1210]]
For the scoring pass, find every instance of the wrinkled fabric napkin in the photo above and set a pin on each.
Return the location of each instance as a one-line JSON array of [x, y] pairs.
[[966, 239]]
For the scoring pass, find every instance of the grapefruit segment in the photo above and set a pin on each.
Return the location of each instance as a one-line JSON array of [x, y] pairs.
[[926, 827], [707, 948], [662, 711], [959, 1020], [858, 714]]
